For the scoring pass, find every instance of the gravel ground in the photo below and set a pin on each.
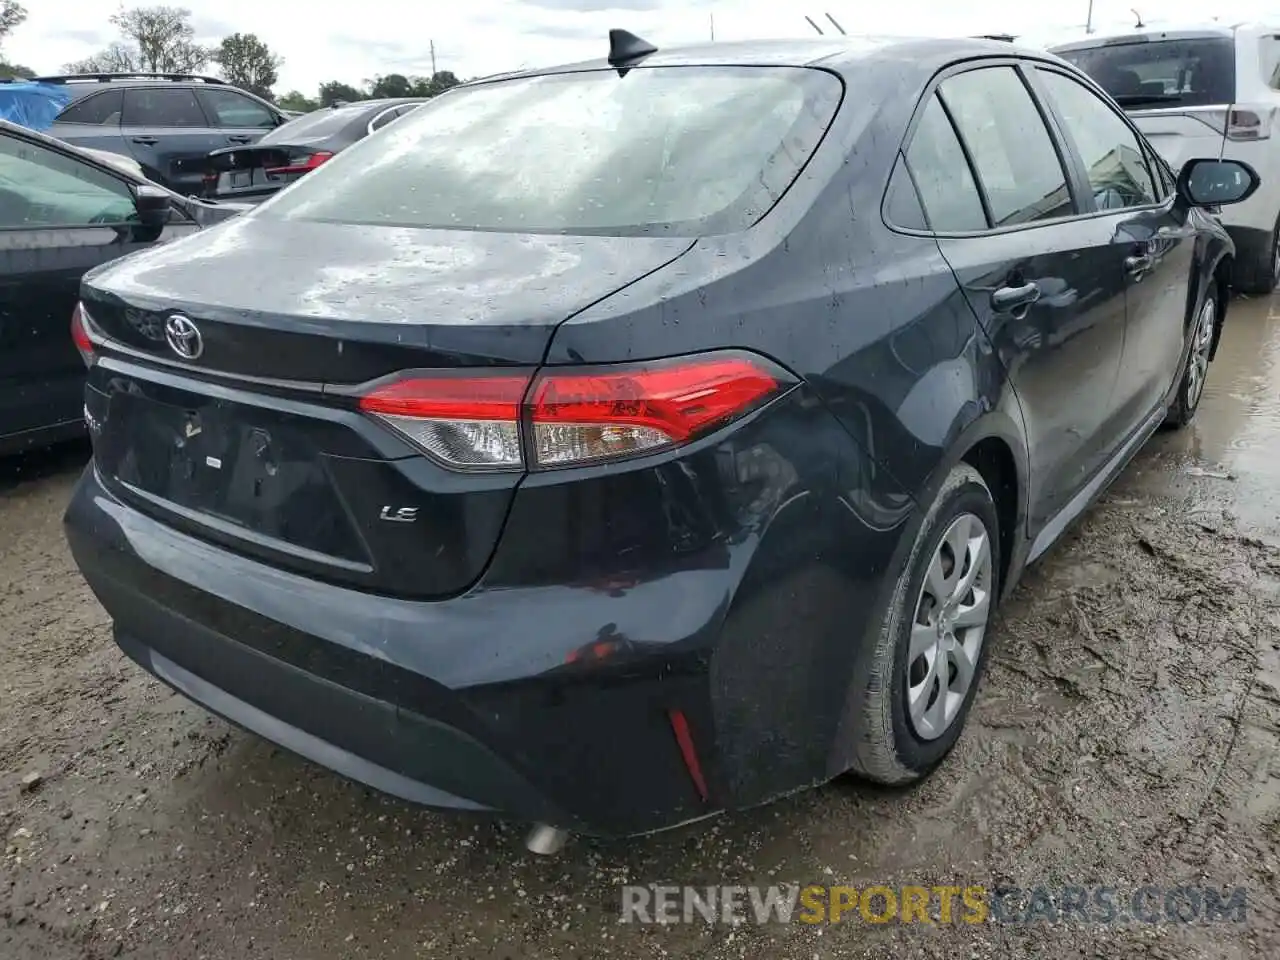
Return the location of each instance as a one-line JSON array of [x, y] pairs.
[[1126, 734]]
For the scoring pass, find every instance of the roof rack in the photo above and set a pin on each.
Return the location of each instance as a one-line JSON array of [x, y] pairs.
[[108, 77]]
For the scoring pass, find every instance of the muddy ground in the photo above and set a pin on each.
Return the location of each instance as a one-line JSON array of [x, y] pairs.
[[1126, 734]]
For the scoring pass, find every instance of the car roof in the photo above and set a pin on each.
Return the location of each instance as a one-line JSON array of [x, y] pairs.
[[83, 85], [835, 53]]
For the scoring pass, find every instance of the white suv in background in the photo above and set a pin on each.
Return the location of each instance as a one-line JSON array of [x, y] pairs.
[[1211, 91]]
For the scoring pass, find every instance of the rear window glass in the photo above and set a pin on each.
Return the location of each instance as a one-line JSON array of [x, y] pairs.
[[318, 124], [1162, 73], [680, 150]]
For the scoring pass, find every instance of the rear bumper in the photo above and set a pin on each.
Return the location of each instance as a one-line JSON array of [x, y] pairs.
[[746, 624], [413, 699]]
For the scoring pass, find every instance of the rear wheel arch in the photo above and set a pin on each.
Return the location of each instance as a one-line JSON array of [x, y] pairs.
[[995, 445], [993, 457]]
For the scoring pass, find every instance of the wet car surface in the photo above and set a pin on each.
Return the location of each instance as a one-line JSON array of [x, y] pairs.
[[1126, 732]]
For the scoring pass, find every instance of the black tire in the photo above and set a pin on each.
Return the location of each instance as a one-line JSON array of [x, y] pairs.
[[889, 749], [1259, 277], [1196, 367]]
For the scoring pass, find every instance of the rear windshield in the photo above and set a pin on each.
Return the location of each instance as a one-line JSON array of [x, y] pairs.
[[679, 150], [1151, 74], [324, 122]]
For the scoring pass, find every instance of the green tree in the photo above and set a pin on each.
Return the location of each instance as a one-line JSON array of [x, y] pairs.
[[248, 63], [152, 39], [296, 100], [393, 85], [336, 91], [438, 83], [12, 14]]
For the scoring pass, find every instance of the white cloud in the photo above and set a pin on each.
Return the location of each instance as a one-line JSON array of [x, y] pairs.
[[324, 40]]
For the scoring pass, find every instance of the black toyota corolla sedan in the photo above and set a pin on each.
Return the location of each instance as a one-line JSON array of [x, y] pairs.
[[614, 445]]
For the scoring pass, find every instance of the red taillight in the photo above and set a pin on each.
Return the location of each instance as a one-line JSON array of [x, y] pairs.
[[80, 334], [304, 164], [573, 415], [465, 422], [608, 413]]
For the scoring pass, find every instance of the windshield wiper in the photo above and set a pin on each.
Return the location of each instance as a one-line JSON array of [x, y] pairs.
[[1134, 99]]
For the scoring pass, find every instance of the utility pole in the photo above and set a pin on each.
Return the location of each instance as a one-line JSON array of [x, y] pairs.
[[433, 52], [713, 26], [1088, 23]]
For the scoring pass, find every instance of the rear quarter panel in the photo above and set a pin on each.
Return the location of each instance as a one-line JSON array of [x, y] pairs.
[[877, 326]]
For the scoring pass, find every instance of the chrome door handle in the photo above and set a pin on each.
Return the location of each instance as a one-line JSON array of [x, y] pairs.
[[1138, 265], [1010, 298]]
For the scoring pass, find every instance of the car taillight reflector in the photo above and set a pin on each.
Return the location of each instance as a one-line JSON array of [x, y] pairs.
[[304, 164], [605, 413], [465, 422], [573, 415], [80, 334]]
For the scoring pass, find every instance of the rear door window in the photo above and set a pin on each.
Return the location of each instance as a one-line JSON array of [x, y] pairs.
[[162, 107], [1149, 74], [228, 108], [947, 190], [382, 119], [1016, 161], [1112, 154], [99, 109]]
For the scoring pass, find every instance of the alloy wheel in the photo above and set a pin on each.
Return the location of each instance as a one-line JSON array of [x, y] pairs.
[[1201, 345], [950, 623]]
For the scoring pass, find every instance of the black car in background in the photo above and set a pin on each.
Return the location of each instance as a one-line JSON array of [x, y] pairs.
[[617, 444], [250, 174], [167, 122], [63, 212]]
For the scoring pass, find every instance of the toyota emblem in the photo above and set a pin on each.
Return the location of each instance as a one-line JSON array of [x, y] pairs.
[[184, 337]]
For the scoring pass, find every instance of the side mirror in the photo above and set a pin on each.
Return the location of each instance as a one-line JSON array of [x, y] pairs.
[[1214, 183], [154, 206]]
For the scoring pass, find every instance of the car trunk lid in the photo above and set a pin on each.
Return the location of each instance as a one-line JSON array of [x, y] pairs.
[[257, 442], [261, 168]]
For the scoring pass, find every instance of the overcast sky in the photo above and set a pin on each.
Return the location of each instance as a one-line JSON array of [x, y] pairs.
[[353, 41]]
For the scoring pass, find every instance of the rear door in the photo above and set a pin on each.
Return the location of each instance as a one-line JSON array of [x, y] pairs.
[[1177, 87], [1159, 263], [94, 121], [1046, 283], [240, 118], [59, 216], [169, 135]]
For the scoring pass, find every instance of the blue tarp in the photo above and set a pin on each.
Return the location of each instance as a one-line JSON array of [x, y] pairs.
[[30, 104]]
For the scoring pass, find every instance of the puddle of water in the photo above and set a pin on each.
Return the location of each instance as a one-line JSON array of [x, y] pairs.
[[1238, 424], [1237, 429]]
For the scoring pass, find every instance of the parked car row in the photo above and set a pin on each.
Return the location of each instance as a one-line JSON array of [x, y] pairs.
[[616, 444], [196, 135], [252, 173]]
